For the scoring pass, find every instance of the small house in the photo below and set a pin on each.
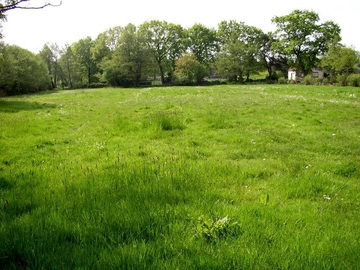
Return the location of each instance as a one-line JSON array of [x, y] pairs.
[[292, 74], [316, 73]]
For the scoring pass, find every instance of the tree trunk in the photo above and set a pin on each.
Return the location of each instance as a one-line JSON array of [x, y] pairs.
[[55, 75], [89, 77], [162, 73]]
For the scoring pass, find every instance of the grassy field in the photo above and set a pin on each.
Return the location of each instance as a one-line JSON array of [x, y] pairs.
[[221, 177]]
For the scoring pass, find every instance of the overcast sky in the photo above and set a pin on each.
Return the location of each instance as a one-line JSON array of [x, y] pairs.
[[76, 19]]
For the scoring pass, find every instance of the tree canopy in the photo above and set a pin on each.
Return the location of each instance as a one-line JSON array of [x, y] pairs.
[[130, 55], [303, 39]]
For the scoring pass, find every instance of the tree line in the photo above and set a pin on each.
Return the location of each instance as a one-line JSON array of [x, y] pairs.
[[167, 52]]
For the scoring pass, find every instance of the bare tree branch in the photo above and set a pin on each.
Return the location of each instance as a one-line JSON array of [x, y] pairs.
[[16, 4]]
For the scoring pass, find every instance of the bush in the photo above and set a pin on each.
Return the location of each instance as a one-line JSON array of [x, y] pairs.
[[282, 80], [308, 80], [342, 79], [189, 70], [353, 80]]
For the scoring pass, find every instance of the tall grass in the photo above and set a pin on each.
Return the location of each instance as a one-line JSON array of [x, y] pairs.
[[223, 177]]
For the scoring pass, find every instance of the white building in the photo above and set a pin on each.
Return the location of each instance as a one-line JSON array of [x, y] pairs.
[[316, 73]]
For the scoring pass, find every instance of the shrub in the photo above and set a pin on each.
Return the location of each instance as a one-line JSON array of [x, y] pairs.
[[308, 80], [326, 81], [353, 80], [342, 79], [282, 80], [189, 70]]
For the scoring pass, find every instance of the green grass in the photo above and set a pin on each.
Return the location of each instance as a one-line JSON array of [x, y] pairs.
[[221, 177]]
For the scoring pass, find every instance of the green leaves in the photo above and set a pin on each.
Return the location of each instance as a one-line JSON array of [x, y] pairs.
[[302, 39], [340, 60], [22, 71], [166, 43], [189, 70], [217, 229]]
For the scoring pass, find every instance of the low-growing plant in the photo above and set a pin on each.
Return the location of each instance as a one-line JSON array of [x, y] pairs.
[[282, 80], [326, 81], [353, 80], [216, 229], [341, 79], [307, 80]]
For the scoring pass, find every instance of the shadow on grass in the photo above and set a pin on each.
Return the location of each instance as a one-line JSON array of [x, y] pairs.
[[17, 106]]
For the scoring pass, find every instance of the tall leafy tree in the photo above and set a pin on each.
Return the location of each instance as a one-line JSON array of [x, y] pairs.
[[189, 69], [101, 52], [82, 51], [50, 54], [303, 39], [203, 43], [67, 66], [131, 59], [21, 71], [340, 60], [272, 59], [166, 44], [240, 50]]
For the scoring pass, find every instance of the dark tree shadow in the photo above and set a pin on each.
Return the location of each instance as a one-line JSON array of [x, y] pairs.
[[17, 106]]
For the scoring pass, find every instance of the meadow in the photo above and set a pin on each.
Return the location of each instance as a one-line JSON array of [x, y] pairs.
[[215, 177]]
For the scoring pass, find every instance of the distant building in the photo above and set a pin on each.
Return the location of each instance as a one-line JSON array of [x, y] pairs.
[[292, 74], [316, 73]]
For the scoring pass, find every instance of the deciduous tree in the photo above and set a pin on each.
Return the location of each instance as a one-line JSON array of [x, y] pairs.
[[303, 39], [340, 60], [131, 58], [240, 50], [50, 53], [166, 43], [189, 70], [21, 71], [82, 51], [203, 43]]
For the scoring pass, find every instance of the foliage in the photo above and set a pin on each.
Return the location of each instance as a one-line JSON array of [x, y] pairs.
[[203, 42], [339, 60], [282, 80], [342, 79], [22, 71], [86, 65], [239, 55], [217, 229], [165, 42], [50, 54], [308, 80], [131, 57], [68, 68], [353, 80], [301, 37], [189, 70]]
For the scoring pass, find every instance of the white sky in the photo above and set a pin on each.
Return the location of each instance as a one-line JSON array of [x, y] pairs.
[[76, 19]]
